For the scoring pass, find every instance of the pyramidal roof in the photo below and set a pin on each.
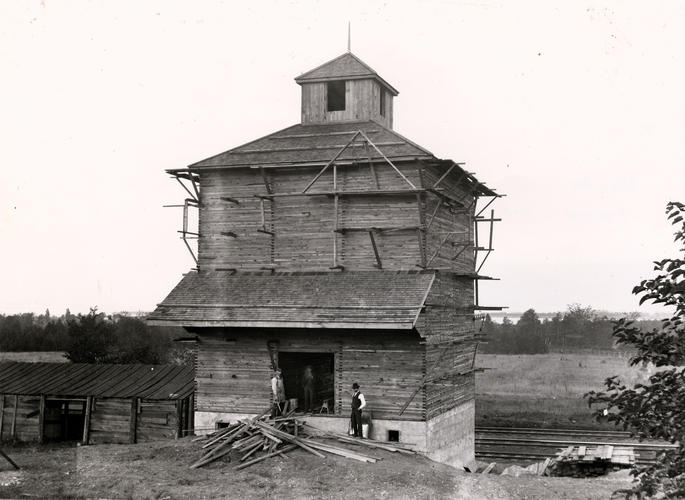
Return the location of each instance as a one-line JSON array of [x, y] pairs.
[[348, 67]]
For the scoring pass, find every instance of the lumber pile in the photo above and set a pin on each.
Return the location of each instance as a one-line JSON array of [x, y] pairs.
[[587, 461], [253, 440]]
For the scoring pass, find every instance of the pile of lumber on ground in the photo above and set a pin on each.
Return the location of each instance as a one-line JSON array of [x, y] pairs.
[[584, 461], [256, 439]]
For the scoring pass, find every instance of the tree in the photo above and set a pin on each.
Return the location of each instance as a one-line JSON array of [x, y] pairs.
[[91, 338], [655, 409]]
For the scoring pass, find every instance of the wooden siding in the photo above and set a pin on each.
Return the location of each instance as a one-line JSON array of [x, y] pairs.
[[362, 102], [22, 425], [444, 216], [302, 226], [154, 420], [234, 368], [449, 327], [157, 420], [110, 421], [451, 381]]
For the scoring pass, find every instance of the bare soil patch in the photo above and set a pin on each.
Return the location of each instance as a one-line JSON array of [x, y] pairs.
[[161, 470]]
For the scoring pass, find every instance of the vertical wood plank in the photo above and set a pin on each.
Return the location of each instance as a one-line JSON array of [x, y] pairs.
[[66, 418], [41, 419], [191, 415], [14, 416], [133, 421], [86, 422], [2, 413], [179, 418]]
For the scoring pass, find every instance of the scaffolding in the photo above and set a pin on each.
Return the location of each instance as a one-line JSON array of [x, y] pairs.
[[462, 241]]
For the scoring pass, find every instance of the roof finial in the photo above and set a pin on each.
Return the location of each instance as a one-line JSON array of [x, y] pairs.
[[349, 37]]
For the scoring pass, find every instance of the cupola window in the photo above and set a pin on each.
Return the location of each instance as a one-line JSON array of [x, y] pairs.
[[382, 102], [335, 92]]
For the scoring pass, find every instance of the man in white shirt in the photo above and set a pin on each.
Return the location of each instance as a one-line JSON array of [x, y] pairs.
[[358, 404], [278, 392]]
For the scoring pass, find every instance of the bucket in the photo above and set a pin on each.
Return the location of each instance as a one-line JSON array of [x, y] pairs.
[[365, 431], [292, 404]]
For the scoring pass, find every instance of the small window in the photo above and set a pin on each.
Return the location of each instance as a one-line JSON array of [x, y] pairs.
[[336, 96], [382, 102], [394, 436]]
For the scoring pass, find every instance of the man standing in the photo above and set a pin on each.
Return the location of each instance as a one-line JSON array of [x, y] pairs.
[[308, 386], [358, 404], [278, 393]]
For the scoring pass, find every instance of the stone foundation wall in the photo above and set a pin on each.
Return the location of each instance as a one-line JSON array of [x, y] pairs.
[[451, 435]]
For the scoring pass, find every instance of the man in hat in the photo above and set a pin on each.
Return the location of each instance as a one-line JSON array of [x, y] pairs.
[[358, 404]]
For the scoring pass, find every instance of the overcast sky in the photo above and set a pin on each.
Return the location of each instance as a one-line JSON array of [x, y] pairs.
[[574, 110]]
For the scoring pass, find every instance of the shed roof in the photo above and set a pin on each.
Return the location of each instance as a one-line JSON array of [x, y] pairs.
[[366, 300], [302, 144], [347, 66], [100, 380]]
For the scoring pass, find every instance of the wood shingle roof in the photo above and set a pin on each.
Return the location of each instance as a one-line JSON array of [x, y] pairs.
[[346, 66], [99, 380], [303, 144], [366, 300]]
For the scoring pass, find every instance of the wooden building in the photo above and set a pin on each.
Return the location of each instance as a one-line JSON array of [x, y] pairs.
[[94, 403], [340, 244]]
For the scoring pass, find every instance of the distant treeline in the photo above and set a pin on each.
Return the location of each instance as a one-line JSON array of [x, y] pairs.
[[578, 328], [93, 338]]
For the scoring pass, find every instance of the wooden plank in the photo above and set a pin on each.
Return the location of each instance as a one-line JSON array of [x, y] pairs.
[[14, 416], [133, 428], [41, 420], [379, 264], [2, 413], [6, 457], [542, 469], [86, 421], [179, 419], [489, 468]]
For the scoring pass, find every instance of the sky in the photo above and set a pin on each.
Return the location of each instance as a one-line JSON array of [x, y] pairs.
[[574, 110]]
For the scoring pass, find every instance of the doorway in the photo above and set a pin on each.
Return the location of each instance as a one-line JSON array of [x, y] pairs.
[[64, 419], [293, 365]]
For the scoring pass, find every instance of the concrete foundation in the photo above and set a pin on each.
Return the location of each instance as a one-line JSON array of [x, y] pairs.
[[448, 438]]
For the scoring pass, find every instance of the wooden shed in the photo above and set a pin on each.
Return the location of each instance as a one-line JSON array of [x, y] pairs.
[[94, 403], [339, 244]]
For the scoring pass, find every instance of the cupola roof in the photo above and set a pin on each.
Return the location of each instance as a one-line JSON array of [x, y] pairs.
[[344, 67]]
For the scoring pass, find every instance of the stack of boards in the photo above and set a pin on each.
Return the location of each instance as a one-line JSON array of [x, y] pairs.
[[253, 440], [582, 461]]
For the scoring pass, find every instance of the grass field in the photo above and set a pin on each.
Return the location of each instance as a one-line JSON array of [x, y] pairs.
[[546, 390], [35, 356]]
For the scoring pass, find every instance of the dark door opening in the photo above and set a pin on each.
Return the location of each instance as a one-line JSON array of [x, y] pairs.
[[64, 419], [293, 366]]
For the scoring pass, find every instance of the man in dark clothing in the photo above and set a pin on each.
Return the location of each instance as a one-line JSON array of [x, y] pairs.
[[308, 386], [358, 404]]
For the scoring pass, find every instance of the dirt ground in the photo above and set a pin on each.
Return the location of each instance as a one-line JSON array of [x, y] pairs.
[[160, 470]]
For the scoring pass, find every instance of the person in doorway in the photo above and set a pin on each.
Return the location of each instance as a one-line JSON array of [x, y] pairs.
[[308, 386], [278, 393], [358, 404]]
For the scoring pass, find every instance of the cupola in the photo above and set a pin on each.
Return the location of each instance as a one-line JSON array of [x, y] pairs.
[[345, 89]]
